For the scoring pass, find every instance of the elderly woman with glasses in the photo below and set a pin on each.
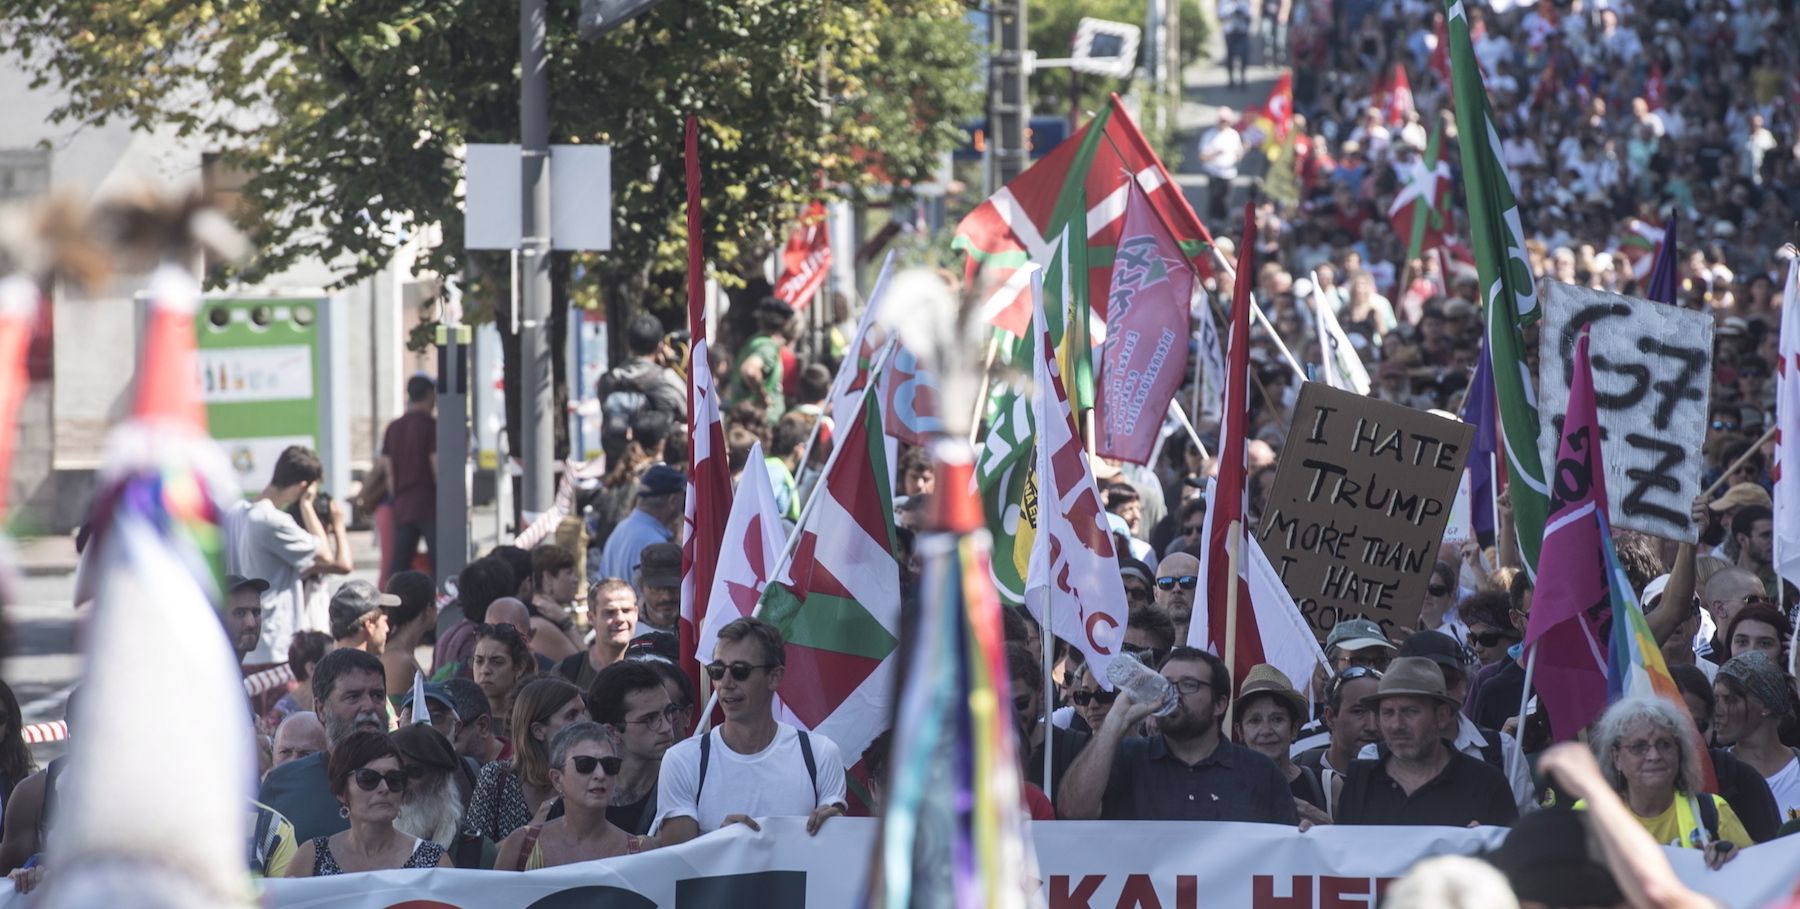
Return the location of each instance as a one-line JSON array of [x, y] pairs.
[[584, 767], [367, 780], [1646, 750], [510, 794]]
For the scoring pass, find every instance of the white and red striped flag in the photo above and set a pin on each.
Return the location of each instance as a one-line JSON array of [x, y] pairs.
[[754, 537], [1269, 628], [708, 503], [1787, 430]]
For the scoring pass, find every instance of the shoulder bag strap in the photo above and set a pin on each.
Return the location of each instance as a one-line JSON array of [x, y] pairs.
[[528, 845], [812, 767], [705, 758]]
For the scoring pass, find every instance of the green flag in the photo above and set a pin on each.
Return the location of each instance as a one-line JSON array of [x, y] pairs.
[[1508, 294]]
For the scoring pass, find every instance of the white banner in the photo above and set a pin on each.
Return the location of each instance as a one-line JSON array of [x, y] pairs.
[[1086, 865], [1652, 374]]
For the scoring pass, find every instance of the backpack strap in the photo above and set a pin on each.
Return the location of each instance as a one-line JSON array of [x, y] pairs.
[[648, 816], [705, 758], [812, 767], [1490, 749], [1709, 815]]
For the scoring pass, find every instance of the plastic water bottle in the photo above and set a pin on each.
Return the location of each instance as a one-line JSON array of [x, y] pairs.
[[1145, 685]]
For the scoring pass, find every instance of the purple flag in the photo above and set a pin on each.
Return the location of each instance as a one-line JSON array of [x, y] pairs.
[[1662, 271], [1145, 354], [1572, 610]]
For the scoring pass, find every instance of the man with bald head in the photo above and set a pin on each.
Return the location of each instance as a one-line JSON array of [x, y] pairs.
[[299, 735], [1728, 591], [1176, 577]]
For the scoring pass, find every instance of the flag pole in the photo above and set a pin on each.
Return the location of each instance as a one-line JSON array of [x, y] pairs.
[[1256, 314], [1048, 640], [987, 376], [1188, 425], [1531, 656], [793, 540], [1727, 472], [1233, 541]]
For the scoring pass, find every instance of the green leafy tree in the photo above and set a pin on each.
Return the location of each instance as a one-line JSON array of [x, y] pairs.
[[349, 118]]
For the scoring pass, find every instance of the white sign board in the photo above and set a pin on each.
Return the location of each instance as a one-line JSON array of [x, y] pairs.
[[1652, 375], [1106, 48], [580, 197]]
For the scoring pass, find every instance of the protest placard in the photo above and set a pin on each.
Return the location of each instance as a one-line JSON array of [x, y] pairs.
[[1652, 373], [1358, 508]]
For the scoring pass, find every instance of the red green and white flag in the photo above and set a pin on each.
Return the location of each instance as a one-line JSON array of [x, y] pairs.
[[838, 602], [1642, 241], [1421, 209], [1020, 224]]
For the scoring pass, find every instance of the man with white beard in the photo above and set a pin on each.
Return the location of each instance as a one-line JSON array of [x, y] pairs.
[[433, 807]]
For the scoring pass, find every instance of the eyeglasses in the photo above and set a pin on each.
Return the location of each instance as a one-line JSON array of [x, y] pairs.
[[1357, 661], [367, 779], [502, 631], [1187, 582], [585, 764], [1190, 686], [1721, 424], [1153, 656], [740, 670], [1194, 530], [1639, 749], [1084, 698], [1348, 676], [1489, 638], [668, 714], [1438, 590]]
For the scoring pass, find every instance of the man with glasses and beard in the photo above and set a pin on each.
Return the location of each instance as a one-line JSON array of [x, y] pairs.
[[351, 689], [1187, 771], [752, 765], [631, 699]]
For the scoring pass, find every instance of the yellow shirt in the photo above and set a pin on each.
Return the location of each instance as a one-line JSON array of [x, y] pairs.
[[1679, 824]]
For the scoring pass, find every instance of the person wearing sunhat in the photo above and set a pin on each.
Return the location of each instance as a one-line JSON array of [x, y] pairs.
[[660, 496], [1422, 780], [357, 617], [1268, 713], [1492, 747]]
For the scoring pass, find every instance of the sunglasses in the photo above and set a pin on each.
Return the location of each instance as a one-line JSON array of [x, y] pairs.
[[1187, 582], [1021, 703], [585, 764], [1438, 590], [1488, 638], [1154, 655], [1084, 698], [1721, 424], [740, 670], [367, 779]]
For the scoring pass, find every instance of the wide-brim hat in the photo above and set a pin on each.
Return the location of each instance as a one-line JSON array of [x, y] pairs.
[[1266, 679], [1412, 677]]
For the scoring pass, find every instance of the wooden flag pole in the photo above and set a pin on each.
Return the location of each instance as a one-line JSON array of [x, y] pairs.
[[1727, 472], [1048, 640], [1188, 425], [987, 377]]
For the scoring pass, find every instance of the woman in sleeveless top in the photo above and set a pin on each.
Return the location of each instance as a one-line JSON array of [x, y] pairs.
[[584, 767], [367, 780], [510, 794]]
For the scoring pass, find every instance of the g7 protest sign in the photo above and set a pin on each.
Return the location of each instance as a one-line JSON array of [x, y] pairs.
[[1359, 504], [1652, 371]]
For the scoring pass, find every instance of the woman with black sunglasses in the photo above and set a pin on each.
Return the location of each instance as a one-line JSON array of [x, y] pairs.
[[584, 767], [367, 780]]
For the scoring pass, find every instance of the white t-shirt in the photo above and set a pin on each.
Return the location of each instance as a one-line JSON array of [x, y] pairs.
[[1785, 787], [769, 783], [266, 543]]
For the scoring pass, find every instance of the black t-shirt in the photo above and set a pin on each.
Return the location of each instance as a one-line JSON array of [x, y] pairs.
[[1467, 789], [634, 817]]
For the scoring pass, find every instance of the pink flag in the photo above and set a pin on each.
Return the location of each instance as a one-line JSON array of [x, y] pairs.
[[754, 537], [708, 504], [1572, 607], [1787, 431], [1073, 572], [1145, 355]]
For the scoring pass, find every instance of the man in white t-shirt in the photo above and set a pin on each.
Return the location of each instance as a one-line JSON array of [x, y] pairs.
[[752, 765], [265, 542]]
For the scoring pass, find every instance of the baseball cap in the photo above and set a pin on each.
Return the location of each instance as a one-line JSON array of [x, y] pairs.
[[353, 602], [1435, 646], [1356, 634], [661, 480], [655, 645], [236, 582], [660, 565], [434, 691]]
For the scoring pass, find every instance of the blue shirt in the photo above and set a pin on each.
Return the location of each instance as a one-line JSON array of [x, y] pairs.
[[1233, 783], [625, 548], [301, 791]]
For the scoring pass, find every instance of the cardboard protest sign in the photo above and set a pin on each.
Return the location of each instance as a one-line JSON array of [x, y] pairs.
[[1652, 374], [1358, 508]]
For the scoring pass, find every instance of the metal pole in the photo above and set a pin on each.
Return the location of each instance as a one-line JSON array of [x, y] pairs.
[[537, 437], [1009, 104], [452, 542]]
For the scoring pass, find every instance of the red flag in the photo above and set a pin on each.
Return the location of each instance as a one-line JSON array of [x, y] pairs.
[[1144, 357], [696, 262], [1015, 224], [806, 260], [909, 400], [1272, 121], [19, 300], [1573, 603], [1394, 96], [1655, 92], [708, 504]]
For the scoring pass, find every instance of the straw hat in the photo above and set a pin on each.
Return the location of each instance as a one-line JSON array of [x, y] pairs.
[[1414, 677], [1266, 679]]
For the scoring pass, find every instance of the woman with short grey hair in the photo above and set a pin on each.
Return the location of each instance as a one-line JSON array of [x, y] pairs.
[[1647, 752], [584, 767]]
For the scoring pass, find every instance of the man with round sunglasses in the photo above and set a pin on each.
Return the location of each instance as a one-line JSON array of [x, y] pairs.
[[1176, 577], [752, 765], [631, 699]]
